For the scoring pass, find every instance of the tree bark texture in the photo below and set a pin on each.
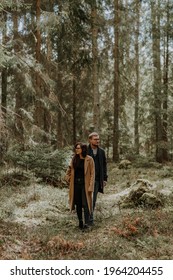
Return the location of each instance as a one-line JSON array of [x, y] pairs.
[[19, 130], [116, 83], [157, 80], [96, 97], [39, 112], [136, 120]]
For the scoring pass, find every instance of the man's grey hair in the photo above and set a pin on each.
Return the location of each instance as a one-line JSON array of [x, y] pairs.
[[93, 134]]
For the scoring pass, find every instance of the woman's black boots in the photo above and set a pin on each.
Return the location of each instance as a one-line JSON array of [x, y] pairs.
[[80, 224]]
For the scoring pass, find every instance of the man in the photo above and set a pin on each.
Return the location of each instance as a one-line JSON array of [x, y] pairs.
[[98, 154]]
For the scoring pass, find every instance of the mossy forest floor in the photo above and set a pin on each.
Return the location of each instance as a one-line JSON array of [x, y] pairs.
[[36, 223]]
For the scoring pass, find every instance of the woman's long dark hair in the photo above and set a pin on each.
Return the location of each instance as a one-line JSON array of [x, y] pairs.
[[76, 157]]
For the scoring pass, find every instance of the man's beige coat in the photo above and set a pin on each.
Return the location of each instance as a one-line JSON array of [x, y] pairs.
[[89, 174]]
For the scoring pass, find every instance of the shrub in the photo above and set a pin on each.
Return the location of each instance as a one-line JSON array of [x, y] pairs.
[[46, 163], [14, 177]]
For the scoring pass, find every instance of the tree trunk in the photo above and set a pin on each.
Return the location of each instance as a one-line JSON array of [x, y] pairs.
[[4, 92], [47, 115], [116, 83], [165, 84], [59, 129], [157, 79], [19, 130], [38, 106], [96, 107], [74, 111], [136, 120], [4, 76]]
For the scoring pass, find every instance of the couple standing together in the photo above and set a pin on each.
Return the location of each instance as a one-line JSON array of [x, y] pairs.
[[86, 175]]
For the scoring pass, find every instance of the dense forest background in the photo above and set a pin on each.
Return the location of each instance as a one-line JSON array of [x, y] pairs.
[[71, 67]]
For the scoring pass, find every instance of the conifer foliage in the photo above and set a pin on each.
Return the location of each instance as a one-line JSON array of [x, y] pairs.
[[69, 67]]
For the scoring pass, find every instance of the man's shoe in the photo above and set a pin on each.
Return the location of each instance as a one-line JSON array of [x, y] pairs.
[[81, 224], [85, 226]]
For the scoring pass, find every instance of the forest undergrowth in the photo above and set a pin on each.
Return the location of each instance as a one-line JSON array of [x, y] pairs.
[[36, 222]]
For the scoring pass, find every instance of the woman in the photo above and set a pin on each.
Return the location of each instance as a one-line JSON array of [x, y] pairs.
[[81, 175]]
